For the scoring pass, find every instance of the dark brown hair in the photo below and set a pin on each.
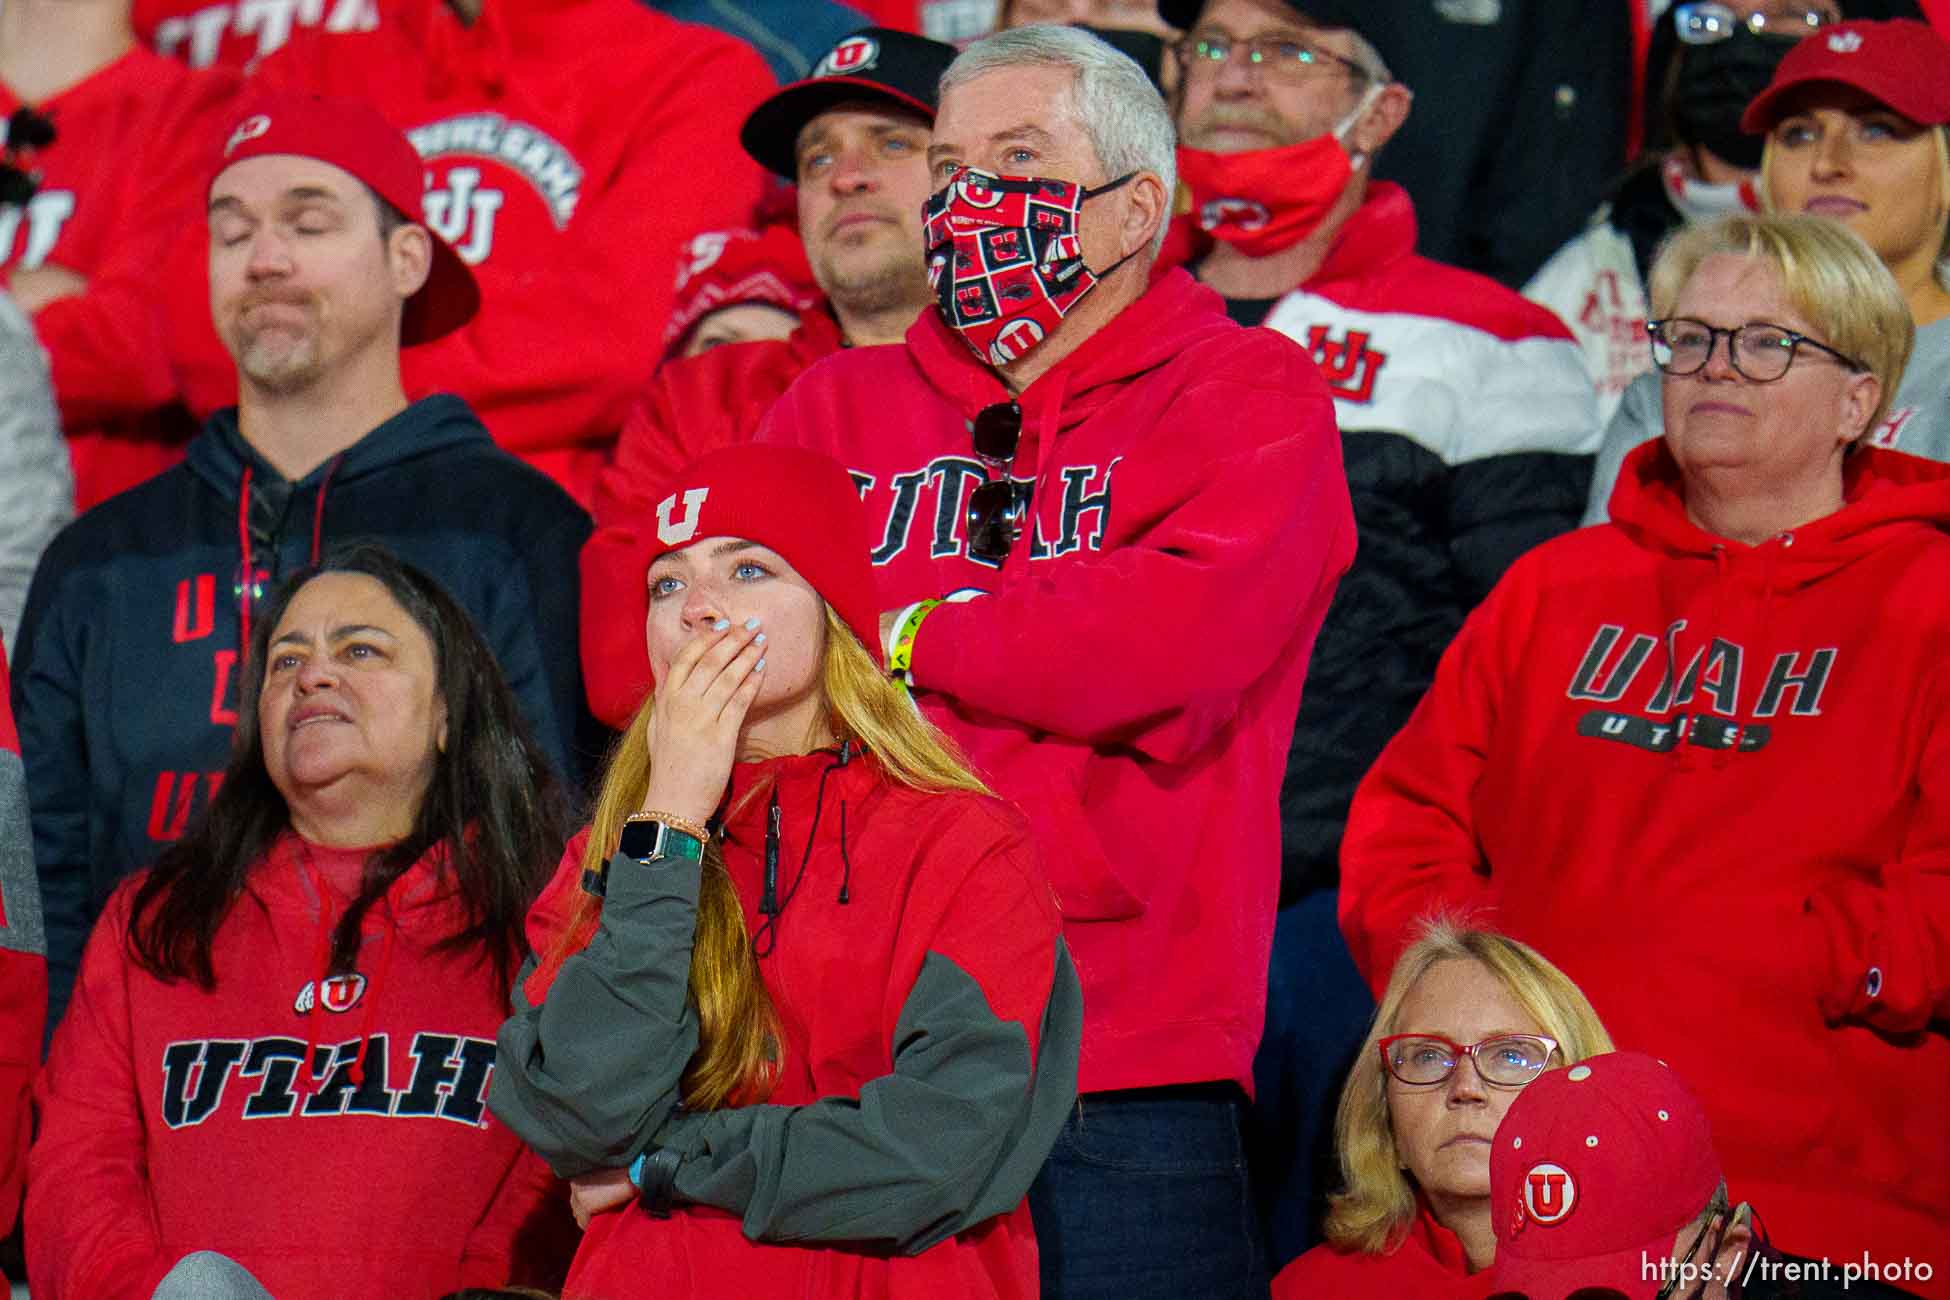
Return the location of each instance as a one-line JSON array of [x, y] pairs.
[[493, 804]]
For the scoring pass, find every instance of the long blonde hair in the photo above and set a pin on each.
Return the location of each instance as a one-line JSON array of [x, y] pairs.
[[1376, 1204], [736, 1061]]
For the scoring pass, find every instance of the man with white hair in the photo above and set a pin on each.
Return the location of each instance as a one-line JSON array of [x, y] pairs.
[[1120, 518]]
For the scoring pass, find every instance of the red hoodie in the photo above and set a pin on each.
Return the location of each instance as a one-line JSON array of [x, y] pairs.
[[1132, 681], [173, 1120], [233, 32], [23, 967], [1749, 874], [694, 405], [112, 221], [572, 148]]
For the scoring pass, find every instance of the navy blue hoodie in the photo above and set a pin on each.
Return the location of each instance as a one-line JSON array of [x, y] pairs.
[[125, 675]]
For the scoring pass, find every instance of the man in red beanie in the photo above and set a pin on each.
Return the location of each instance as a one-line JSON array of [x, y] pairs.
[[1152, 499], [127, 663], [853, 135]]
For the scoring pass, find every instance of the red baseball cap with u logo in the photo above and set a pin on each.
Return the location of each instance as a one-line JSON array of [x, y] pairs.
[[350, 135], [1594, 1171]]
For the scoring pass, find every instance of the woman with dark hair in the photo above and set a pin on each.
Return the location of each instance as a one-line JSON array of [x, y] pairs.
[[803, 993], [280, 1043]]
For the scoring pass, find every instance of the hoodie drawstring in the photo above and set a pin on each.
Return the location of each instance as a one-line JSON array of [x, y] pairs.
[[322, 964], [246, 579], [770, 905]]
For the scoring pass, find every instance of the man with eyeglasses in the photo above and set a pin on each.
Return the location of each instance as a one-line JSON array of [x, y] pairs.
[[1149, 500], [1606, 1186], [1467, 421]]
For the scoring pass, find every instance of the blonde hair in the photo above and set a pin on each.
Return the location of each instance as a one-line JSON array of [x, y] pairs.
[[737, 1055], [1939, 134], [1832, 280], [1376, 1204]]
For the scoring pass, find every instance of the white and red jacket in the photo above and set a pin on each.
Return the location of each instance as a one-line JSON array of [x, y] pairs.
[[693, 406], [1712, 783], [572, 148], [112, 221], [1131, 682], [175, 1119]]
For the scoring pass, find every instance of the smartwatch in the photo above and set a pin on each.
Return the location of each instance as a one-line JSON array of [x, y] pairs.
[[647, 839]]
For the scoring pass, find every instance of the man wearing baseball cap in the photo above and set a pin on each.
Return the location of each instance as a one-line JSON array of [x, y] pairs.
[[127, 664], [1605, 1186], [853, 135]]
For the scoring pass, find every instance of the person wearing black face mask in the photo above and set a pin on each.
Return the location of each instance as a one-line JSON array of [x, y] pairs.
[[1698, 165]]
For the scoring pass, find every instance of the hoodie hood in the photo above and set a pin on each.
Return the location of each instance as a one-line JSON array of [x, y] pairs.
[[1172, 315], [1885, 495], [429, 425], [1175, 313]]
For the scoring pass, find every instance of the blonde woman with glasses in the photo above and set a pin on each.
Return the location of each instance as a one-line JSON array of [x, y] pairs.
[[1469, 1018]]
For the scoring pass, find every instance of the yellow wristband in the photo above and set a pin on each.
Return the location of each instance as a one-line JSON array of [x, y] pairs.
[[900, 657]]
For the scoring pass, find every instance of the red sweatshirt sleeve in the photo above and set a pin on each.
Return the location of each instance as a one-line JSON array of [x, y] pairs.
[[109, 348], [1410, 848], [91, 1228], [1151, 642], [1884, 955], [527, 1236]]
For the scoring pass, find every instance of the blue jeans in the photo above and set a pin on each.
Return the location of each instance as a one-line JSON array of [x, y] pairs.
[[1146, 1196]]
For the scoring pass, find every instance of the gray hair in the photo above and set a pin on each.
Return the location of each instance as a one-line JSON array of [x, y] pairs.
[[1116, 104]]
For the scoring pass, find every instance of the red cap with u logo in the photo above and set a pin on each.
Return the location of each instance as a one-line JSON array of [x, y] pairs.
[[1595, 1170], [352, 136]]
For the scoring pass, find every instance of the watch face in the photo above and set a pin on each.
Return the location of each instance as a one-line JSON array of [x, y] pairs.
[[639, 839]]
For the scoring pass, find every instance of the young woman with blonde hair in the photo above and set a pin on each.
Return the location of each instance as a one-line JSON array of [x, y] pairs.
[[1469, 1018], [804, 1023]]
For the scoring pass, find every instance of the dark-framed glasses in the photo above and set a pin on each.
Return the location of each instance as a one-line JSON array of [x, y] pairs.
[[996, 509], [1759, 351], [1279, 56], [1708, 23], [1505, 1060]]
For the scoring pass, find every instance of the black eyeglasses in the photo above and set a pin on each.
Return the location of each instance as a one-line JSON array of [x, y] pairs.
[[996, 509], [1759, 351], [1277, 56]]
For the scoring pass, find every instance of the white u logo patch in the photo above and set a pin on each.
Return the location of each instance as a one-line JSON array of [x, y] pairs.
[[672, 532]]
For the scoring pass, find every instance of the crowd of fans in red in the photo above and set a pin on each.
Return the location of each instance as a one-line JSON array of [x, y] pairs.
[[1192, 723]]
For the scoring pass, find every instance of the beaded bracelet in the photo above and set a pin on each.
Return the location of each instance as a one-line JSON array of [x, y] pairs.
[[675, 823]]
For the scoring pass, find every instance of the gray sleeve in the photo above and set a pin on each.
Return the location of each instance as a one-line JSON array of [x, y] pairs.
[[36, 488], [1639, 419], [589, 1075], [953, 1136]]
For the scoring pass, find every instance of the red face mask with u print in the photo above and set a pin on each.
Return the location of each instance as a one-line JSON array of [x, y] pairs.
[[1005, 258]]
